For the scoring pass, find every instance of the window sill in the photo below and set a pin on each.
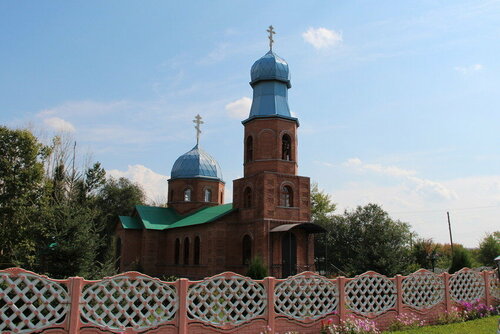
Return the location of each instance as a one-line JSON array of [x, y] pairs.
[[288, 207]]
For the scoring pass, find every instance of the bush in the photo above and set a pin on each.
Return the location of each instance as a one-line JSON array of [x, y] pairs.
[[406, 321], [350, 326], [461, 259], [450, 317], [257, 269], [475, 310]]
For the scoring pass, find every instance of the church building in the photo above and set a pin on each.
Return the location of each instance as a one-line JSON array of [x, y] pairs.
[[197, 235]]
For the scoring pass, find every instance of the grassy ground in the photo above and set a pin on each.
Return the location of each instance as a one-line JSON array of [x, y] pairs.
[[481, 326]]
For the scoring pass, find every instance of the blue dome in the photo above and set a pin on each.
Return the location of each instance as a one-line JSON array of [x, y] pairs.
[[196, 164], [270, 67]]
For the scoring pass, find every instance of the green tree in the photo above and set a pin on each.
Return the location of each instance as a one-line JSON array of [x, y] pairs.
[[322, 213], [21, 195], [368, 239], [424, 252], [489, 249], [461, 259]]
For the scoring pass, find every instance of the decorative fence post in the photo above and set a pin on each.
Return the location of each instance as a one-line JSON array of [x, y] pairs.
[[75, 291], [399, 294], [447, 296], [269, 284], [487, 292], [341, 286], [182, 287]]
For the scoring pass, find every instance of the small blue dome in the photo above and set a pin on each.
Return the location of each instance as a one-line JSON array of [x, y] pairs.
[[270, 67], [196, 164]]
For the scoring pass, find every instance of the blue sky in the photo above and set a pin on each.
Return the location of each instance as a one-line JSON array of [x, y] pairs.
[[397, 100]]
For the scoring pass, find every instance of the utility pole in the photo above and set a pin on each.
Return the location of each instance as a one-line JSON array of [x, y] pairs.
[[451, 238]]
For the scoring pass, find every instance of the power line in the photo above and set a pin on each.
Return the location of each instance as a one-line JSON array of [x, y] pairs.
[[443, 210]]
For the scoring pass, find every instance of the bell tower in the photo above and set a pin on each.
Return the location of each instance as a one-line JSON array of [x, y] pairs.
[[271, 188]]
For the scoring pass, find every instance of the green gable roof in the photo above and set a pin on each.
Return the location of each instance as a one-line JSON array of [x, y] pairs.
[[130, 223], [157, 218]]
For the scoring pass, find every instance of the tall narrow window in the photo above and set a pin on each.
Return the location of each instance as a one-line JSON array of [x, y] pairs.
[[171, 195], [186, 250], [286, 196], [177, 250], [286, 148], [118, 252], [208, 195], [249, 149], [196, 250], [247, 198], [187, 195], [247, 250]]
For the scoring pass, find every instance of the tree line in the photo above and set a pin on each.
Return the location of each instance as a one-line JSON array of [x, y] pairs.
[[367, 238], [55, 218]]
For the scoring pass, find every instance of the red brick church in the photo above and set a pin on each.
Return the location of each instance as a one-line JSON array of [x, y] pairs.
[[198, 235]]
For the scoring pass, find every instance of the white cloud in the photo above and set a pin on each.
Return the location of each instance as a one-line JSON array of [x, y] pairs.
[[85, 108], [59, 124], [423, 187], [240, 108], [469, 69], [155, 185], [322, 38], [474, 210]]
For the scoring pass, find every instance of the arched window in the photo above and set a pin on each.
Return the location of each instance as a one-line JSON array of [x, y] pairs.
[[186, 250], [177, 250], [208, 195], [286, 196], [187, 195], [286, 148], [247, 249], [196, 250], [249, 149], [247, 197]]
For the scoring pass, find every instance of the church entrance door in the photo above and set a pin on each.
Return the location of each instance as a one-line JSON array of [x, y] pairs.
[[288, 254]]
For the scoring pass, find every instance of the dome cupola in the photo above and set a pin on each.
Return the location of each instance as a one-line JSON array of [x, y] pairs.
[[270, 80], [270, 67], [196, 164]]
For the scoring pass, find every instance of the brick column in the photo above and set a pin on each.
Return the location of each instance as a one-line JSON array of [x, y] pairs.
[[342, 308], [399, 289], [182, 287], [269, 284], [75, 291], [447, 295]]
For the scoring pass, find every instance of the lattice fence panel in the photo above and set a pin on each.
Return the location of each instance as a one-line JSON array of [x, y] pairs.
[[226, 300], [466, 285], [135, 301], [29, 301], [370, 294], [423, 289], [306, 296], [494, 285]]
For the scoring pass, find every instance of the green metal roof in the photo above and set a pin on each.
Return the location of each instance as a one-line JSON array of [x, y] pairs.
[[157, 218], [130, 223], [203, 216]]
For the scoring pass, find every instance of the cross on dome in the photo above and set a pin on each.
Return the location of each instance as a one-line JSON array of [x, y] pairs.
[[197, 120], [271, 40]]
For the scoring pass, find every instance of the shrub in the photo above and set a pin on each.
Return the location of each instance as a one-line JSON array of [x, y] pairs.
[[475, 310], [461, 259], [406, 321], [350, 326], [450, 317], [257, 269]]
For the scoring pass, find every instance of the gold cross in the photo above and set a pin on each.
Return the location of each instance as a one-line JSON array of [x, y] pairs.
[[197, 120], [271, 40]]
